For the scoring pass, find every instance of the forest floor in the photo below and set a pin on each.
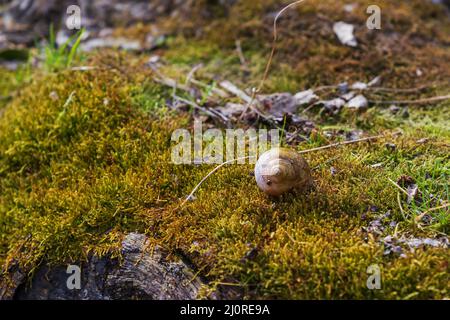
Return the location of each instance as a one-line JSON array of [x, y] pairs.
[[85, 152]]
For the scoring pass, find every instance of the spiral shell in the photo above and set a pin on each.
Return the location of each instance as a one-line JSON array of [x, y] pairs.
[[280, 170]]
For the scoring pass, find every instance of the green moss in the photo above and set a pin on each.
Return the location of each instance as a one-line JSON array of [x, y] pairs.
[[309, 53], [85, 159]]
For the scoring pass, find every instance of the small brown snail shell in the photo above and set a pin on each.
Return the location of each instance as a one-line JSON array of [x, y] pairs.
[[280, 170]]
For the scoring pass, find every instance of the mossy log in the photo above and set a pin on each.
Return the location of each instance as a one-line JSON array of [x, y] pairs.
[[140, 274]]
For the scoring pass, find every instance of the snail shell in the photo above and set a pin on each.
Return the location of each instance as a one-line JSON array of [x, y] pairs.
[[280, 170]]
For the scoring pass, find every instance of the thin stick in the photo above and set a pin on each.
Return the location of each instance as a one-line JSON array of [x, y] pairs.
[[249, 104], [400, 90], [215, 90], [324, 163], [84, 68], [399, 201], [192, 73], [209, 174], [419, 217], [380, 89], [300, 152], [241, 54], [396, 185], [274, 43], [420, 101], [196, 106], [340, 144], [227, 85], [69, 100], [230, 87], [171, 83]]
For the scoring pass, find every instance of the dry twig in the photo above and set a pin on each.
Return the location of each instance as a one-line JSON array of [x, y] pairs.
[[255, 91], [420, 101], [241, 54], [205, 110]]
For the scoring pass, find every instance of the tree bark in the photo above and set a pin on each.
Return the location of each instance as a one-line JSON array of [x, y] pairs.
[[138, 275]]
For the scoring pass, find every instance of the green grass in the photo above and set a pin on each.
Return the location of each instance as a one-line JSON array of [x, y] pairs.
[[60, 57]]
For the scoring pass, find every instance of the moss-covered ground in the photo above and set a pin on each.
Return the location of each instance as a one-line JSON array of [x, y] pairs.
[[85, 157]]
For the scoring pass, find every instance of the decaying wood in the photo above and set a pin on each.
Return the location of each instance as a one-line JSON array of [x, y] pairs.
[[140, 274]]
